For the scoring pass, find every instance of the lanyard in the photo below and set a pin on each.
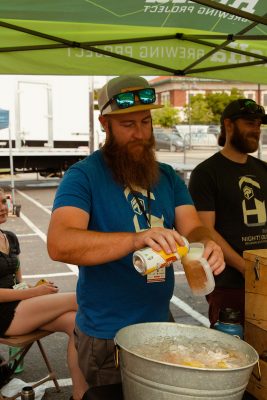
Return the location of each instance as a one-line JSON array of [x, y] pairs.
[[147, 215]]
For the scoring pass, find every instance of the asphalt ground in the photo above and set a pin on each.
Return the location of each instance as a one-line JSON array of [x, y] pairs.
[[35, 195]]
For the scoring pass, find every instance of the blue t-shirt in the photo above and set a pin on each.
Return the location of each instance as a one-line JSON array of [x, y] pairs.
[[114, 294]]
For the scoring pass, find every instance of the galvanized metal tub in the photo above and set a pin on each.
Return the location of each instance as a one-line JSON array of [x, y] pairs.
[[146, 379]]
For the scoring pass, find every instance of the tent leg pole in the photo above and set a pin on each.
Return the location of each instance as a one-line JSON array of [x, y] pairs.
[[11, 167]]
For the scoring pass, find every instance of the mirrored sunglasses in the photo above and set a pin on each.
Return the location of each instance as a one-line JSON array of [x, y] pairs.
[[128, 99], [251, 107]]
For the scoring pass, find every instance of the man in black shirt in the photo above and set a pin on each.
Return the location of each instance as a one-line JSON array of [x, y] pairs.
[[229, 190]]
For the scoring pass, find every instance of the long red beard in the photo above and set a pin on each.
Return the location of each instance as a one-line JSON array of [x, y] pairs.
[[133, 164]]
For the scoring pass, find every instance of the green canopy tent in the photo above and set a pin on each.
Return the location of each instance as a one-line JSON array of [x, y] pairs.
[[220, 39]]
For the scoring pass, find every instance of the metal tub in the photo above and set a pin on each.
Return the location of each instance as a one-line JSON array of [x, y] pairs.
[[147, 379]]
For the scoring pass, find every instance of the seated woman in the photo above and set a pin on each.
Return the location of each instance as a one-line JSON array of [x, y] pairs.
[[42, 307]]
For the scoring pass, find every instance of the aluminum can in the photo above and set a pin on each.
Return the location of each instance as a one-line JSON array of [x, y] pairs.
[[27, 393], [147, 260]]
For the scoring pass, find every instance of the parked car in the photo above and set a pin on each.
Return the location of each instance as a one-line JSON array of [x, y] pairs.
[[166, 140], [197, 138], [201, 138], [198, 135], [213, 129]]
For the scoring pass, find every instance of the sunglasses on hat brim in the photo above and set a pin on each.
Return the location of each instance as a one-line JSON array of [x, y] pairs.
[[250, 117], [251, 107], [134, 97]]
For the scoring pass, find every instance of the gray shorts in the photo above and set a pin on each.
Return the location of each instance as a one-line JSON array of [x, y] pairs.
[[96, 359]]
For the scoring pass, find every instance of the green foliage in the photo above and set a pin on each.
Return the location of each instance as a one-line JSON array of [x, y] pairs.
[[218, 101], [166, 116], [200, 110], [207, 109]]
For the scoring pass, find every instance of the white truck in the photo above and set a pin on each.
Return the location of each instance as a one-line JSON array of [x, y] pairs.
[[51, 122]]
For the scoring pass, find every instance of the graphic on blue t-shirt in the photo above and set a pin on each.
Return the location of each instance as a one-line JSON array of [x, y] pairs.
[[139, 218]]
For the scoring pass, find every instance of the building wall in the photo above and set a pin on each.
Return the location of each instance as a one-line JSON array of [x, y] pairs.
[[178, 89]]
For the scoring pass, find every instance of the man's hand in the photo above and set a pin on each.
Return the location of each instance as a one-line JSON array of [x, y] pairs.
[[158, 239], [213, 253]]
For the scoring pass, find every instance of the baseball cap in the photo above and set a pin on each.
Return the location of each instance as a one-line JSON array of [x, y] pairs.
[[141, 96], [244, 108]]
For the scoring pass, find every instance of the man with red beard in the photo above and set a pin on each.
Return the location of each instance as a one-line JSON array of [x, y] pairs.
[[230, 192], [116, 201]]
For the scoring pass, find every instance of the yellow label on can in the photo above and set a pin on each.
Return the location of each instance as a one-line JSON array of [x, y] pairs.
[[181, 250]]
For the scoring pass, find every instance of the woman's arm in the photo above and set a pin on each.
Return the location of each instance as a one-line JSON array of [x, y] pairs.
[[19, 274], [7, 295]]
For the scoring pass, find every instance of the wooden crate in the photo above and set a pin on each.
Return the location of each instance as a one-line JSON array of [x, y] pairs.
[[256, 287], [256, 387], [255, 332], [257, 338]]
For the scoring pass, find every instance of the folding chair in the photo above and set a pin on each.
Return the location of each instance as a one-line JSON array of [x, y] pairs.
[[25, 342]]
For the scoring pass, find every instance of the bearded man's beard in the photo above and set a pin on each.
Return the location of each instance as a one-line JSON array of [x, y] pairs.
[[244, 143], [133, 164]]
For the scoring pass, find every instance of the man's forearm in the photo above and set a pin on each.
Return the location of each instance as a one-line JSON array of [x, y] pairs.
[[231, 257], [81, 247], [200, 234]]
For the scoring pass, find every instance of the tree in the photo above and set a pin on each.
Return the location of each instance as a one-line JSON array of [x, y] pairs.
[[218, 101], [207, 109], [166, 116], [200, 112]]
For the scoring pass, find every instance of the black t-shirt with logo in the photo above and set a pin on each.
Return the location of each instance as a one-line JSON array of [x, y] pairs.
[[238, 194]]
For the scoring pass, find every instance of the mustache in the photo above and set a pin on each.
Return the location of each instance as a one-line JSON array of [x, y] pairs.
[[139, 142], [254, 136]]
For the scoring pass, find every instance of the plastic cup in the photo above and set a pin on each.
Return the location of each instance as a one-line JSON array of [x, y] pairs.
[[197, 271]]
